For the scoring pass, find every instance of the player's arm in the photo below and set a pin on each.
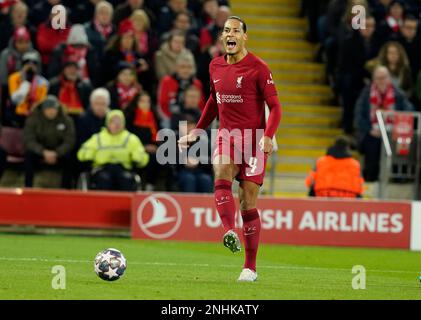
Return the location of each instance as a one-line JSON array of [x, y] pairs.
[[208, 115], [268, 90]]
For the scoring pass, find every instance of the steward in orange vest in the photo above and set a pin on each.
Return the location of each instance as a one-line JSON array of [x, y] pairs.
[[336, 174]]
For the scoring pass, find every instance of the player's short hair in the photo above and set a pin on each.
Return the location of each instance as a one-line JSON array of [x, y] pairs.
[[243, 24]]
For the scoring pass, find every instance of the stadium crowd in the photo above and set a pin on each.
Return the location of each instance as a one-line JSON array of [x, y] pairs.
[[148, 60], [371, 68]]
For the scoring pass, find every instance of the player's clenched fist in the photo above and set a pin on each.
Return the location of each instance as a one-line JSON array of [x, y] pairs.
[[185, 141], [266, 145]]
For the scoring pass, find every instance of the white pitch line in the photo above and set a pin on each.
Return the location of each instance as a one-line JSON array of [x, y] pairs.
[[206, 265]]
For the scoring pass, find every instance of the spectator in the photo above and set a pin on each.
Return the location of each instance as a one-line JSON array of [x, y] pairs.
[[113, 152], [143, 33], [210, 45], [393, 21], [77, 48], [168, 13], [49, 136], [11, 57], [124, 48], [100, 29], [411, 42], [48, 38], [17, 18], [336, 174], [125, 87], [93, 119], [26, 88], [41, 11], [393, 56], [358, 48], [196, 174], [182, 24], [209, 12], [141, 121], [189, 104], [172, 87], [125, 10], [71, 90], [382, 94], [166, 56], [380, 9]]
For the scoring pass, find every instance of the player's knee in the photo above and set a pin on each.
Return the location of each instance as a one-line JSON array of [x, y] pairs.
[[223, 172]]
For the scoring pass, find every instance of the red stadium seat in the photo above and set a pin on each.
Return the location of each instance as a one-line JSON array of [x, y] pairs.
[[11, 140]]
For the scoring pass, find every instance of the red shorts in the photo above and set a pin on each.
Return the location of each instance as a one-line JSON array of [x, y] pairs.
[[245, 152]]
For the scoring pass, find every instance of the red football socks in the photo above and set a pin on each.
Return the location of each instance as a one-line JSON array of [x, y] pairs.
[[225, 204], [251, 232]]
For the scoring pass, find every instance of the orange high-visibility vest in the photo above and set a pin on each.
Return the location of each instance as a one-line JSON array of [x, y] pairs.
[[336, 177]]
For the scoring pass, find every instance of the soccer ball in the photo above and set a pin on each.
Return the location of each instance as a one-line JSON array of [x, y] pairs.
[[110, 264]]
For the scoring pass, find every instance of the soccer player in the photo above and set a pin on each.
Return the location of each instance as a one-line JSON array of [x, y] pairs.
[[241, 83]]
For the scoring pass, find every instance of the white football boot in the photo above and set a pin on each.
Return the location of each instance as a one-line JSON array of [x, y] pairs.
[[247, 275]]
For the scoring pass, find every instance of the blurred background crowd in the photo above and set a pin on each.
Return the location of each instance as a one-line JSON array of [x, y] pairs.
[[148, 59]]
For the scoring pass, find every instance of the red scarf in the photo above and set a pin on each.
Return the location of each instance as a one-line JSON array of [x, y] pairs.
[[142, 38], [69, 96], [126, 94], [105, 31], [79, 55], [146, 119], [393, 23], [378, 101]]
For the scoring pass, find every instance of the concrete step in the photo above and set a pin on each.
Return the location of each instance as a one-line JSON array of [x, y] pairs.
[[255, 31], [275, 21], [317, 99], [284, 54], [243, 9], [310, 89], [293, 151], [257, 42], [313, 131], [276, 65], [304, 141], [299, 77], [299, 119], [312, 109], [267, 2]]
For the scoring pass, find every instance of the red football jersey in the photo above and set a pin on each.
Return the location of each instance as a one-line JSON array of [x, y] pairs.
[[240, 91]]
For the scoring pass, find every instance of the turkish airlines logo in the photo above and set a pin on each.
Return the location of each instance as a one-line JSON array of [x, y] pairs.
[[159, 216]]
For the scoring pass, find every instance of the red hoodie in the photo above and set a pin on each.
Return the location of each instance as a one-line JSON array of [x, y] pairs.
[[48, 38]]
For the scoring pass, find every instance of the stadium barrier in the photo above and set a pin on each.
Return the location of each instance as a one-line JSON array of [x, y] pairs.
[[192, 217]]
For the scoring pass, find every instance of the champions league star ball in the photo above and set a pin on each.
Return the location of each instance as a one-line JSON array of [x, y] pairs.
[[110, 264]]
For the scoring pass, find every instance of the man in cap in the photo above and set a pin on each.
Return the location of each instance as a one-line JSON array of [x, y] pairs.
[[49, 136]]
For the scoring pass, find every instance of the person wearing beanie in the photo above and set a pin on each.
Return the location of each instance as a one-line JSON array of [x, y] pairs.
[[125, 86], [27, 88], [72, 91], [78, 49], [115, 154], [48, 136], [11, 57], [336, 174], [124, 47]]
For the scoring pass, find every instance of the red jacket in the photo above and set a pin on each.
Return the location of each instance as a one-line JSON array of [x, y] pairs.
[[48, 39], [168, 90]]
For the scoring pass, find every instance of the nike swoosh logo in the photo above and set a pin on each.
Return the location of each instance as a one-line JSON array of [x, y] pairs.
[[220, 203], [215, 81], [249, 234]]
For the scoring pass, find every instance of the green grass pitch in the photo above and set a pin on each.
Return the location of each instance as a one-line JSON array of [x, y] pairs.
[[185, 270]]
